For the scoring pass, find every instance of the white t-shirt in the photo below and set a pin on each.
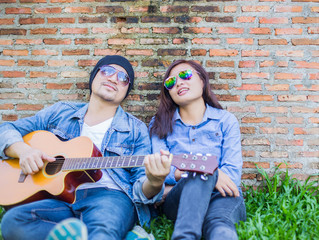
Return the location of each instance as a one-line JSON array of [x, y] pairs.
[[96, 134]]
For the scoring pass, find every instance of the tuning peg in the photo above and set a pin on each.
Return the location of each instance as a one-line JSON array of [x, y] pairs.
[[204, 177], [199, 154], [184, 175], [194, 174]]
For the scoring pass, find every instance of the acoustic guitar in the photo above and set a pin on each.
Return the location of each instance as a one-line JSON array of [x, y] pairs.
[[77, 161]]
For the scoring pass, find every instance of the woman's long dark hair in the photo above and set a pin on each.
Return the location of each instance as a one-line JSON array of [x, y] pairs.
[[163, 124]]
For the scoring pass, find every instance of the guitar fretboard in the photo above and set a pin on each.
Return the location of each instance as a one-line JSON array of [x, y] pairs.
[[102, 162]]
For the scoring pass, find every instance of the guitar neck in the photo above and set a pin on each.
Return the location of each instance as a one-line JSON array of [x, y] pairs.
[[102, 162]]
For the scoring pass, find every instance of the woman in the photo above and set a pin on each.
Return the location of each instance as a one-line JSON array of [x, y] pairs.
[[190, 120]]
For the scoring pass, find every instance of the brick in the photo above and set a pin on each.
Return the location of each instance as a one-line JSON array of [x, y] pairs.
[[29, 41], [249, 87], [61, 20], [284, 165], [219, 86], [75, 52], [314, 154], [288, 9], [29, 107], [313, 30], [289, 120], [259, 31], [7, 52], [255, 8], [45, 52], [78, 10], [12, 74], [6, 106], [292, 98], [74, 74], [166, 30], [256, 120], [42, 31], [59, 86], [253, 164], [198, 52], [69, 97], [230, 30], [13, 32], [60, 63], [298, 53], [7, 62], [314, 76], [18, 10], [155, 63], [124, 20], [206, 41], [230, 9], [251, 109], [273, 130], [278, 20], [246, 64], [103, 52], [228, 19], [226, 75], [139, 52], [261, 75], [179, 41], [314, 120], [51, 41], [305, 64], [274, 154], [301, 87], [303, 20], [202, 9], [92, 19], [249, 176], [155, 19], [223, 52], [246, 19], [12, 96], [288, 31], [134, 30], [246, 41], [272, 42], [232, 98], [153, 41], [74, 31], [247, 130], [9, 117], [35, 74], [88, 41], [174, 9], [171, 52], [6, 42], [248, 153], [8, 21], [277, 87], [302, 109], [305, 41], [220, 63], [27, 21], [109, 9], [31, 63], [289, 142], [259, 98], [118, 41], [293, 76], [197, 30], [47, 10], [255, 53], [187, 19], [274, 109]]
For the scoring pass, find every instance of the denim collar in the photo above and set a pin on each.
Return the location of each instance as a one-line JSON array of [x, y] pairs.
[[120, 121], [210, 113]]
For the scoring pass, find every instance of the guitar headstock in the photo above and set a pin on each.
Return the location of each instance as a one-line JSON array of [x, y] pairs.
[[195, 163]]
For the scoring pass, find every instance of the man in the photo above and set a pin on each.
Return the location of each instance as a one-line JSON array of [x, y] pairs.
[[109, 207]]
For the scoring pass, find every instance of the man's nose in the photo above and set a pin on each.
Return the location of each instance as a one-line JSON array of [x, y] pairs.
[[113, 78]]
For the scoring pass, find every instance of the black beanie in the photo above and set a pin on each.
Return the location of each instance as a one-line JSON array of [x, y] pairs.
[[118, 60]]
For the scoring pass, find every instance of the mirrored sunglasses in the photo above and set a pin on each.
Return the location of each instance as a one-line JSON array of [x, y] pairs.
[[122, 77], [170, 82]]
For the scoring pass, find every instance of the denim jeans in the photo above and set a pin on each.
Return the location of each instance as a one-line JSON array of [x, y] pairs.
[[108, 214], [197, 210]]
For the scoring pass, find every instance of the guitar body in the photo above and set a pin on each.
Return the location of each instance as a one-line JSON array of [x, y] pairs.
[[50, 181]]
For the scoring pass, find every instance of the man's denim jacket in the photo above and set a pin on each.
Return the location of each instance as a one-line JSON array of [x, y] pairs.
[[126, 136]]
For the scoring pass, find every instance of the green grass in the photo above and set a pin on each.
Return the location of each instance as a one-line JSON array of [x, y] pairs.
[[280, 208]]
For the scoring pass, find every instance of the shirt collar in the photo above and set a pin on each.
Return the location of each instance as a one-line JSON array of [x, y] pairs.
[[120, 120], [210, 113]]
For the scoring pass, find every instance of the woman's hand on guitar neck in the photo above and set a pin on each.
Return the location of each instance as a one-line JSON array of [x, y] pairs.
[[30, 159], [157, 167]]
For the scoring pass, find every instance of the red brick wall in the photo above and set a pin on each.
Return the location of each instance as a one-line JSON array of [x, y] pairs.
[[262, 57]]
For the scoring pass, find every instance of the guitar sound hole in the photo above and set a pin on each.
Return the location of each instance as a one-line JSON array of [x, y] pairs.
[[54, 167]]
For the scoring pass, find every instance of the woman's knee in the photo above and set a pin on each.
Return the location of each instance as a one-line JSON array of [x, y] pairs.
[[9, 225]]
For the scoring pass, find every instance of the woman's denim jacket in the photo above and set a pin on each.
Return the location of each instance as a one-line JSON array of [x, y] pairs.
[[126, 136]]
